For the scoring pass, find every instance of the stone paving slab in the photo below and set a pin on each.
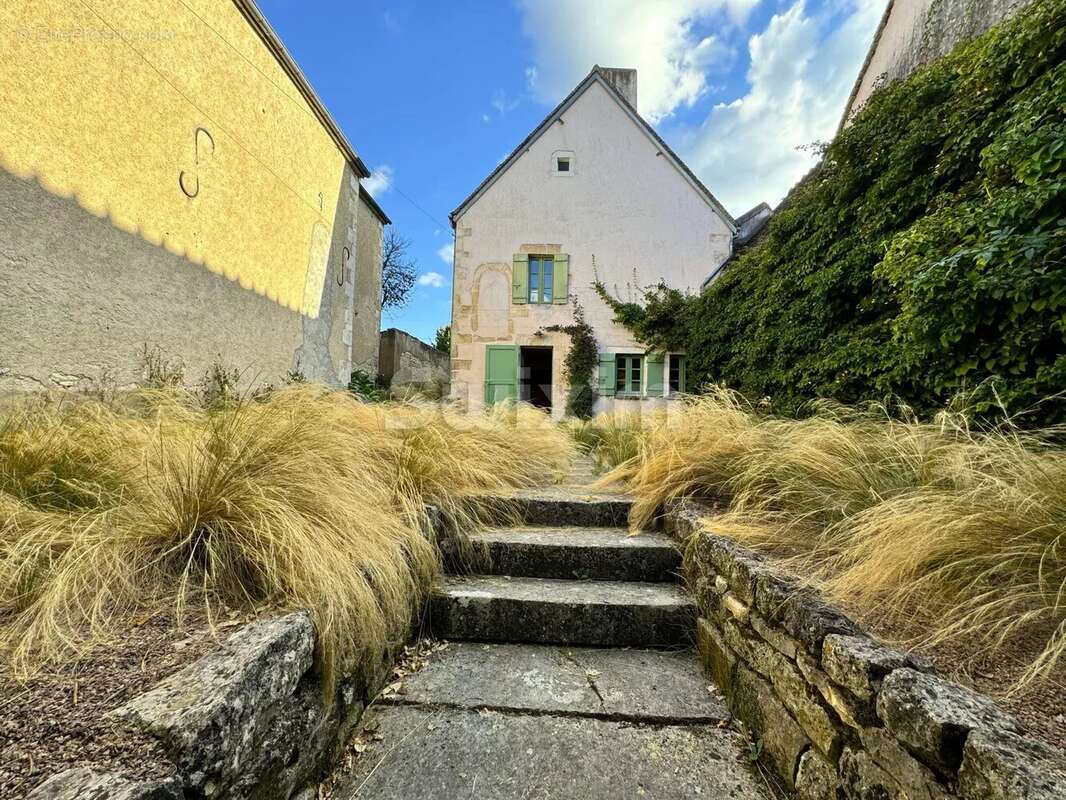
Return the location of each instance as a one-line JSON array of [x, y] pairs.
[[540, 610], [642, 685], [586, 553], [447, 754]]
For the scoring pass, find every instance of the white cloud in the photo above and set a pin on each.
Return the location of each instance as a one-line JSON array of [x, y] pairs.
[[446, 252], [799, 79], [434, 279], [656, 37], [380, 180]]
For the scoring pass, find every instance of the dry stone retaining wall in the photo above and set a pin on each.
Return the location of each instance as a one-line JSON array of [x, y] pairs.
[[838, 714], [250, 720]]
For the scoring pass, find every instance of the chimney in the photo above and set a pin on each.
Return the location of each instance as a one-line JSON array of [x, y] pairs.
[[624, 80]]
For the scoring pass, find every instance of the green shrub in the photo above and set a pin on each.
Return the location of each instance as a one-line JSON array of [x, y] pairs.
[[925, 256], [365, 388]]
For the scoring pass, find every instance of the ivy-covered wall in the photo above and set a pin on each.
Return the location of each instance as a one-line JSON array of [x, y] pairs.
[[926, 255]]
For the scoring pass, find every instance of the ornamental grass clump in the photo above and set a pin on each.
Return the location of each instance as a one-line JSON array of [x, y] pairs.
[[610, 438], [888, 514], [304, 499]]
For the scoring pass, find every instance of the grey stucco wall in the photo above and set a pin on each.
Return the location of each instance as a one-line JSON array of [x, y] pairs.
[[367, 321], [81, 298], [916, 32], [407, 361], [949, 22]]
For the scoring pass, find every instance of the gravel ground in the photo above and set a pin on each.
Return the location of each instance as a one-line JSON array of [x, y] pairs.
[[58, 719]]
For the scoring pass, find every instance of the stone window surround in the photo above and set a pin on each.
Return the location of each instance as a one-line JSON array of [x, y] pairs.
[[569, 156]]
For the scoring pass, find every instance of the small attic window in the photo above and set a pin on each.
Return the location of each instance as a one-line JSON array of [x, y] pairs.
[[563, 162]]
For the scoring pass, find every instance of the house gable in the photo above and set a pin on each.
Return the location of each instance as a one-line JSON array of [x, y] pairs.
[[595, 78]]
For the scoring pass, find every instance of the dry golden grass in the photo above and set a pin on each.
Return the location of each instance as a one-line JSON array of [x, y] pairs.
[[886, 514], [612, 437], [307, 499]]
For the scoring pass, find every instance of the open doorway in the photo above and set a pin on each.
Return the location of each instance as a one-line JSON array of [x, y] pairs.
[[535, 376]]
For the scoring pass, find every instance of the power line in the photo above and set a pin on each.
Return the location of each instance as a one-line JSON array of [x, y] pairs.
[[299, 105], [429, 216]]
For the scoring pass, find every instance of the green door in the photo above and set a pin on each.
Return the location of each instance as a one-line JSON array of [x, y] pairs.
[[501, 373]]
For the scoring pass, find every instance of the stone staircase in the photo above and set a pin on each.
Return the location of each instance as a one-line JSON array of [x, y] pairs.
[[569, 574], [568, 674]]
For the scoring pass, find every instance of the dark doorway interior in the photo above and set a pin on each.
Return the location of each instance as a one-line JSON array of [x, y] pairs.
[[536, 376]]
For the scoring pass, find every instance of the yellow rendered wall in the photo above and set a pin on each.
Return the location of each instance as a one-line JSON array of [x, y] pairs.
[[101, 102]]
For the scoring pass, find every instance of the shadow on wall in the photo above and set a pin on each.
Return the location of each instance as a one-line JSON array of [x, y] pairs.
[[192, 204], [82, 296]]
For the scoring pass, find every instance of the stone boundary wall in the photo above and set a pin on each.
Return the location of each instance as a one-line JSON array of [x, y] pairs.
[[249, 720], [839, 715], [405, 361]]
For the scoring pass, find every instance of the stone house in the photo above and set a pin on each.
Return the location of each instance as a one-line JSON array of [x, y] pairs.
[[169, 178], [369, 247], [592, 192]]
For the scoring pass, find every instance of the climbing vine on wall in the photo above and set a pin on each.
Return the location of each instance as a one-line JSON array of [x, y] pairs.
[[658, 321], [926, 255], [579, 366]]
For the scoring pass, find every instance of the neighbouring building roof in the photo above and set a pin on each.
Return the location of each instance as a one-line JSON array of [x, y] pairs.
[[750, 225], [372, 204], [259, 23], [597, 75], [751, 222]]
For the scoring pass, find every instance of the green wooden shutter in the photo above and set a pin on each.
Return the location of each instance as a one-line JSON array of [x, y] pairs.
[[606, 383], [653, 364], [561, 280], [501, 373], [520, 278]]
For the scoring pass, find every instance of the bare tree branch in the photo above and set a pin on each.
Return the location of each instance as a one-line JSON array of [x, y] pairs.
[[398, 270]]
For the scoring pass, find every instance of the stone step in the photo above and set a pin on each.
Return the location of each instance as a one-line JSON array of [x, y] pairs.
[[543, 610], [602, 554], [661, 687], [420, 753], [561, 505]]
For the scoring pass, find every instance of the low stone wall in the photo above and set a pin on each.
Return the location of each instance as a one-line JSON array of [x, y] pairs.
[[406, 362], [837, 713], [250, 720]]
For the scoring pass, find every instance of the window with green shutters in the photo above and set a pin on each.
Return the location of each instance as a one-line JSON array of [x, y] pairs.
[[540, 279], [628, 372]]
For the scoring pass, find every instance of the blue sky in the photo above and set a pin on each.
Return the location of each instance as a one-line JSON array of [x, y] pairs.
[[433, 95]]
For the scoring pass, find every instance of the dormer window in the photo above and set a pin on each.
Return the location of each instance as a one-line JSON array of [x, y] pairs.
[[563, 162]]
